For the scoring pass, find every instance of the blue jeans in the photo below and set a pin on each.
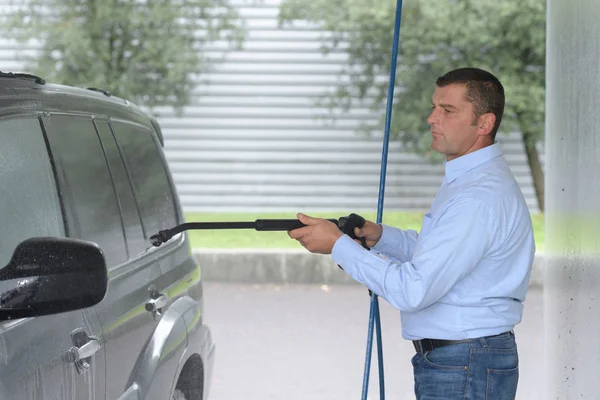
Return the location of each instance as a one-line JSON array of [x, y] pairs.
[[481, 369]]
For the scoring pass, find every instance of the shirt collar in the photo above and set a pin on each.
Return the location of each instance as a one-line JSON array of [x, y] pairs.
[[462, 164]]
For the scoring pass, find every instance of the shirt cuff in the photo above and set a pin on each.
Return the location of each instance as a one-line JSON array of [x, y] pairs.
[[362, 265], [345, 249], [388, 242]]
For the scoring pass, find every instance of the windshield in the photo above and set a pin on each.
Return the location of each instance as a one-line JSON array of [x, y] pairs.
[[29, 203]]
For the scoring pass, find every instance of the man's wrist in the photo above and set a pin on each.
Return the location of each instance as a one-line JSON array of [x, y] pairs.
[[381, 240]]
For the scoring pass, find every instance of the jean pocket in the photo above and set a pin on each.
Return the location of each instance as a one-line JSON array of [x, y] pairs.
[[501, 343], [502, 384], [446, 358]]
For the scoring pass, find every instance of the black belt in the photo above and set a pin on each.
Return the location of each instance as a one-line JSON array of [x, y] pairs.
[[425, 345]]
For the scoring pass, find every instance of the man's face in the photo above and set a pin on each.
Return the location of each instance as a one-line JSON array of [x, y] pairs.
[[452, 122]]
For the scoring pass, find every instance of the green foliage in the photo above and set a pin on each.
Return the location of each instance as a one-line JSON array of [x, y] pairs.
[[505, 37], [147, 51]]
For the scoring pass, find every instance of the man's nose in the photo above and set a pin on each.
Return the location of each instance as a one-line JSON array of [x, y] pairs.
[[433, 117]]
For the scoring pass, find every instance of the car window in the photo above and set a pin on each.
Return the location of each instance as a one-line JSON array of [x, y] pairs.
[[29, 203], [148, 175], [134, 234], [85, 184]]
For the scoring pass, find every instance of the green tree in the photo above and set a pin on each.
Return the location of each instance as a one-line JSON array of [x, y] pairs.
[[505, 37], [148, 51]]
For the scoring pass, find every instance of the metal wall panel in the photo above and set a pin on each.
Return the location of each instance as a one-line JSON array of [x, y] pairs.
[[572, 280], [255, 139]]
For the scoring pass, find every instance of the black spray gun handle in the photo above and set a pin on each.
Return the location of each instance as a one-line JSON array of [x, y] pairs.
[[345, 224]]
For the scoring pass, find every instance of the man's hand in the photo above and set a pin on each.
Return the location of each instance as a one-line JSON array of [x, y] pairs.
[[370, 231], [318, 236]]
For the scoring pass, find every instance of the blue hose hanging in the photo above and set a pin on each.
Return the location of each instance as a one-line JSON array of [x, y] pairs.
[[374, 310]]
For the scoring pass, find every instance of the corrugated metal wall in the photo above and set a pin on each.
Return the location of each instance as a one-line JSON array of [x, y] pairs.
[[256, 140]]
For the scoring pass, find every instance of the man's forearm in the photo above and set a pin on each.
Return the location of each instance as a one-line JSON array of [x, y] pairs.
[[397, 243]]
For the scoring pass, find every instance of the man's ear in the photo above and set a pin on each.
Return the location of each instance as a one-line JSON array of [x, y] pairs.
[[485, 124]]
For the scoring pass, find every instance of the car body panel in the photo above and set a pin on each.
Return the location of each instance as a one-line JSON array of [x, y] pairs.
[[143, 351]]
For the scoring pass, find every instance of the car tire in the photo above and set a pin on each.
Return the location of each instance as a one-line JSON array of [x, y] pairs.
[[178, 395]]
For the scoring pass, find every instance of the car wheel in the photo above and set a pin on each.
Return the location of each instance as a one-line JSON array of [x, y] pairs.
[[178, 395]]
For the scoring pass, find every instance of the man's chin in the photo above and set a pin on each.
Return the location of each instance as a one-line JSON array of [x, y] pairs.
[[435, 146]]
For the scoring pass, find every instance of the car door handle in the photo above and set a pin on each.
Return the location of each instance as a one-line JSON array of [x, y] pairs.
[[86, 351], [156, 304], [84, 347]]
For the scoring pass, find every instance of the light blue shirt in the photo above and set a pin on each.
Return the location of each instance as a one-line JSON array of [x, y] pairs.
[[465, 275]]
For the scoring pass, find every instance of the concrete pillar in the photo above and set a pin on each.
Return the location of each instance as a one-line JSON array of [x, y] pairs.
[[572, 272]]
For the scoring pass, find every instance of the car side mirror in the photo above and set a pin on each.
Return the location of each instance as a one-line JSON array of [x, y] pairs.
[[52, 275]]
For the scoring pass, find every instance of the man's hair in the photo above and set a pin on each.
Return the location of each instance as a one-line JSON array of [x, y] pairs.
[[484, 91]]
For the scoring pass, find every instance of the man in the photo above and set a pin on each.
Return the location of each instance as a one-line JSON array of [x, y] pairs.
[[460, 282]]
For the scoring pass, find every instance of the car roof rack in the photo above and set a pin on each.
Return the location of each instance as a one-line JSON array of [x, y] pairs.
[[105, 92], [34, 78]]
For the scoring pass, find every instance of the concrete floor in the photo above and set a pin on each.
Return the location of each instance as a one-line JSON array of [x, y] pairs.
[[309, 342]]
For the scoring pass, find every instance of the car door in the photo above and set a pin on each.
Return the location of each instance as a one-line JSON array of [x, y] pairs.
[[104, 211], [127, 315], [34, 361]]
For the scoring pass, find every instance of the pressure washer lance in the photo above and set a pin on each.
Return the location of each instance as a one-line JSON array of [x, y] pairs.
[[345, 224]]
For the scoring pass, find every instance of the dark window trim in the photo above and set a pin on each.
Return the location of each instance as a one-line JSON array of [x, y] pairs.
[[59, 194], [112, 180], [126, 165]]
